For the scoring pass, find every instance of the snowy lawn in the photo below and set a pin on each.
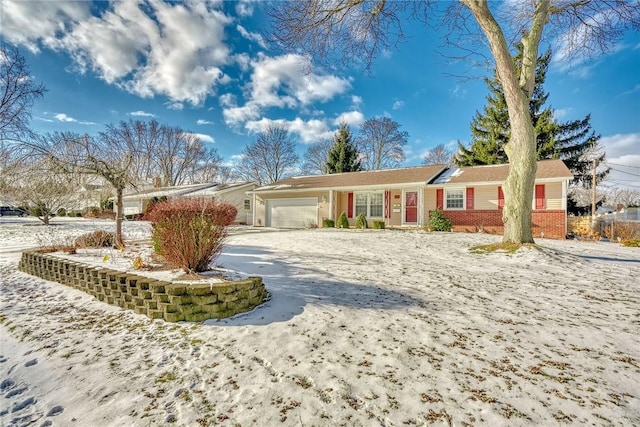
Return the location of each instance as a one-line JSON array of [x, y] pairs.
[[363, 328]]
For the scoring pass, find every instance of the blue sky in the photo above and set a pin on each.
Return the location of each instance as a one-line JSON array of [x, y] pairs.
[[207, 69]]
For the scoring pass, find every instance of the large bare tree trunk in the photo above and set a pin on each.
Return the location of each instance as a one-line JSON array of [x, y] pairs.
[[518, 188], [518, 88]]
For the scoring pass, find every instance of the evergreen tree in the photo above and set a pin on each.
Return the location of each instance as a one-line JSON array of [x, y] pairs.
[[569, 141], [343, 156], [491, 130], [573, 140]]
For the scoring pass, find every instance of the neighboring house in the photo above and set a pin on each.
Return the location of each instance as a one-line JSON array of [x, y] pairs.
[[234, 193], [471, 197], [90, 195]]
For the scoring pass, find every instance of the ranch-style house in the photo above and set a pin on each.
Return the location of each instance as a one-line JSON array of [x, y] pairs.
[[471, 197]]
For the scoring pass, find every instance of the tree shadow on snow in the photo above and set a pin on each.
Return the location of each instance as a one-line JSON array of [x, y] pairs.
[[292, 285], [604, 258]]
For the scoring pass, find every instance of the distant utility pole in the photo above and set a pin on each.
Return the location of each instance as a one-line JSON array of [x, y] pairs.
[[593, 192]]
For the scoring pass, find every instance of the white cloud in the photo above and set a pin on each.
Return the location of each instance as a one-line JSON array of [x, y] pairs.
[[243, 60], [206, 138], [255, 37], [281, 82], [398, 105], [356, 101], [245, 7], [234, 116], [621, 144], [202, 136], [147, 48], [174, 105], [204, 122], [30, 23], [141, 113], [62, 117], [309, 131], [623, 156], [352, 118]]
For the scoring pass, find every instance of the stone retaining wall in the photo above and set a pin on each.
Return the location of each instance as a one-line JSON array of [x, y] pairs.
[[156, 299]]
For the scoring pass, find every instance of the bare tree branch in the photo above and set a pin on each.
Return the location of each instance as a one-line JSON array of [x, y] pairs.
[[381, 143], [19, 93], [270, 158], [438, 155]]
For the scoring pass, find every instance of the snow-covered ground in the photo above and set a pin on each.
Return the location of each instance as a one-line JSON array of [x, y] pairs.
[[363, 328]]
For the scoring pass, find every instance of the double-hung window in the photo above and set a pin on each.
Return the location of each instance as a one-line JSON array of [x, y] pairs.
[[362, 202], [376, 205], [369, 204], [455, 198]]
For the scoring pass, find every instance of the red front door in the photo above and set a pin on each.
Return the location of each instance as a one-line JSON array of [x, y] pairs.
[[411, 207]]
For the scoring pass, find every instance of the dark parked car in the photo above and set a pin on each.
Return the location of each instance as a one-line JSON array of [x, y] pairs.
[[12, 211]]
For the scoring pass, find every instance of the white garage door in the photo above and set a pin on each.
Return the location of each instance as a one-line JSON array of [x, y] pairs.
[[292, 213]]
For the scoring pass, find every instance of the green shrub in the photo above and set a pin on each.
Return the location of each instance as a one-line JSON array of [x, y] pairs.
[[361, 221], [439, 222], [343, 221], [96, 239], [377, 224], [61, 212], [328, 223], [190, 233]]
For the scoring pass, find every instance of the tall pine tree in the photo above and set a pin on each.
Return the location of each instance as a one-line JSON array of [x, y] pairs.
[[343, 156], [569, 141]]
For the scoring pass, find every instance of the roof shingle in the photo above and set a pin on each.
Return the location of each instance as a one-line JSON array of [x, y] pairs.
[[419, 174], [435, 174], [498, 173]]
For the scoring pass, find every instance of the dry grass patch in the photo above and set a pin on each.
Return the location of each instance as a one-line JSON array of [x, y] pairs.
[[633, 243], [501, 247]]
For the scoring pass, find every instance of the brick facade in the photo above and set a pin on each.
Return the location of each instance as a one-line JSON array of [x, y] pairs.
[[550, 222]]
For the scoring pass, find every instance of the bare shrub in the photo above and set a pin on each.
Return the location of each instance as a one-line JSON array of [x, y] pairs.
[[56, 243], [190, 233], [96, 239], [623, 230]]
